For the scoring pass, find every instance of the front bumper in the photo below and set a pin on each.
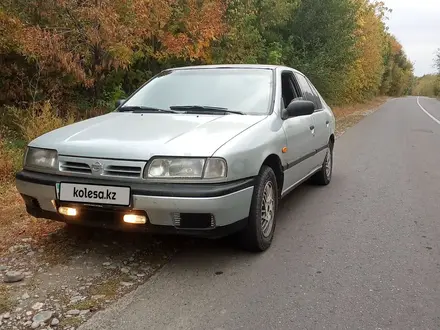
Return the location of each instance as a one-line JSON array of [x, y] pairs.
[[228, 204]]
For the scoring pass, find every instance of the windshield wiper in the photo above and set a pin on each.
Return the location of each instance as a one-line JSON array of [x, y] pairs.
[[141, 109], [204, 109]]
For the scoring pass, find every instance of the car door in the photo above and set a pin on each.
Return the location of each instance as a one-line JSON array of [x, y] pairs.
[[319, 122], [321, 119], [299, 135]]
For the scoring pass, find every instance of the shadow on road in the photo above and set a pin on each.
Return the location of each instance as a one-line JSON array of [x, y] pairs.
[[228, 246], [76, 239]]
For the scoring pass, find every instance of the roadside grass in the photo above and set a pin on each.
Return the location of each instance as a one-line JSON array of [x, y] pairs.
[[69, 323], [11, 158], [5, 301], [105, 290], [17, 128]]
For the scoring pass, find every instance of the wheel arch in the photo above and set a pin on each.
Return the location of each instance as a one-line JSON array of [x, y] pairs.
[[332, 140], [274, 162]]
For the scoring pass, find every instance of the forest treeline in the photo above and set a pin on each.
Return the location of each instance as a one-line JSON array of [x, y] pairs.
[[429, 85], [82, 55]]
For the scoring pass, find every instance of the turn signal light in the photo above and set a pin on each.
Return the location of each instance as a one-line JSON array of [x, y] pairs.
[[135, 218], [69, 211]]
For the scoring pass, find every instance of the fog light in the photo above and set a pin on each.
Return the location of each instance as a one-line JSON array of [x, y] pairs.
[[134, 218], [69, 211]]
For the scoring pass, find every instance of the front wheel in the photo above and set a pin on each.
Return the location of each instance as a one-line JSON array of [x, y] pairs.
[[258, 234], [324, 176]]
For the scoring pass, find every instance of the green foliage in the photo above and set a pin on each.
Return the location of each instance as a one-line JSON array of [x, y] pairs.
[[82, 56], [398, 77], [321, 43], [428, 85], [65, 60], [437, 61], [243, 42]]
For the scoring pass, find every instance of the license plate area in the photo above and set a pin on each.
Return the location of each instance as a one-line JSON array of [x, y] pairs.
[[92, 194]]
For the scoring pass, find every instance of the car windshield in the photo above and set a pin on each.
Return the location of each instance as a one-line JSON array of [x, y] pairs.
[[248, 91]]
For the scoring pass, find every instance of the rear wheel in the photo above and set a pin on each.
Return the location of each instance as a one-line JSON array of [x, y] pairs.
[[324, 176], [258, 234]]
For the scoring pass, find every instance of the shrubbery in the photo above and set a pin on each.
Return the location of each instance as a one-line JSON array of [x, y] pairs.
[[19, 127], [66, 60]]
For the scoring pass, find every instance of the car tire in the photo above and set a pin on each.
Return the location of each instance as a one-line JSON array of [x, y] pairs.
[[324, 176], [259, 232]]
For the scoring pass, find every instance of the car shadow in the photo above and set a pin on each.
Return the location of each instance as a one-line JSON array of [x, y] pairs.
[[228, 246], [120, 246]]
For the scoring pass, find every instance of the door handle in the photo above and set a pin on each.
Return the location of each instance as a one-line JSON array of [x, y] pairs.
[[327, 122], [312, 128]]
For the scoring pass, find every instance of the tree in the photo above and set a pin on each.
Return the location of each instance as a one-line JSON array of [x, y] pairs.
[[82, 42], [254, 31], [322, 43], [85, 54], [437, 61], [365, 73]]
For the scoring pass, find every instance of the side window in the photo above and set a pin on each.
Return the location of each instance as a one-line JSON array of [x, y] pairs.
[[289, 91], [316, 93], [307, 91]]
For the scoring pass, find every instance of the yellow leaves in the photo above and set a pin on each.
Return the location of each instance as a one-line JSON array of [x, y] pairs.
[[396, 47], [365, 74], [10, 29], [122, 53]]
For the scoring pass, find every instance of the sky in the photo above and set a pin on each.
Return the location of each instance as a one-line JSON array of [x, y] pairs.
[[416, 25]]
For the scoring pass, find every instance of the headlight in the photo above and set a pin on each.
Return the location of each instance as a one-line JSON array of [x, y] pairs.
[[188, 168], [36, 157]]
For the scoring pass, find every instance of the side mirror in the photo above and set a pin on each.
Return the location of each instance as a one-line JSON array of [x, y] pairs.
[[120, 102], [298, 108]]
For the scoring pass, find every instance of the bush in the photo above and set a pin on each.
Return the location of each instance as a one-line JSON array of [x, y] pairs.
[[38, 120], [11, 159], [21, 126]]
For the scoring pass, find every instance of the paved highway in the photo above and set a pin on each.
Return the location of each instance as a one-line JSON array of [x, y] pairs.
[[362, 253]]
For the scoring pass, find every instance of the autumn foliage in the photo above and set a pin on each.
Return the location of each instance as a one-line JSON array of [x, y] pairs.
[[75, 58], [429, 85], [84, 54], [65, 60], [81, 43]]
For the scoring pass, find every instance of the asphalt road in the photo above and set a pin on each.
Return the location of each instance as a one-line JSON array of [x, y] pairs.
[[362, 253]]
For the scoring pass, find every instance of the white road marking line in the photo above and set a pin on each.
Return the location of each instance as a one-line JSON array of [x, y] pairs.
[[424, 110]]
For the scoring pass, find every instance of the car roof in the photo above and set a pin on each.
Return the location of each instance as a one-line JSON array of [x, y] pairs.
[[235, 66]]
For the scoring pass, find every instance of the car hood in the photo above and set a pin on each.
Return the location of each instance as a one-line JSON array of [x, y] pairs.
[[134, 136]]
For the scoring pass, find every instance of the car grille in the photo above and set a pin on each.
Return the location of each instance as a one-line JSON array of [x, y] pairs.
[[74, 167], [106, 168], [124, 171]]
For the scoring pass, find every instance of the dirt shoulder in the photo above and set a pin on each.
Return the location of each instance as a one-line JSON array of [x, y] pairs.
[[349, 116], [65, 274], [62, 274]]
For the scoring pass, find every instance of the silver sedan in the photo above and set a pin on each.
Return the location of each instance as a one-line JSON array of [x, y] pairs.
[[206, 151]]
